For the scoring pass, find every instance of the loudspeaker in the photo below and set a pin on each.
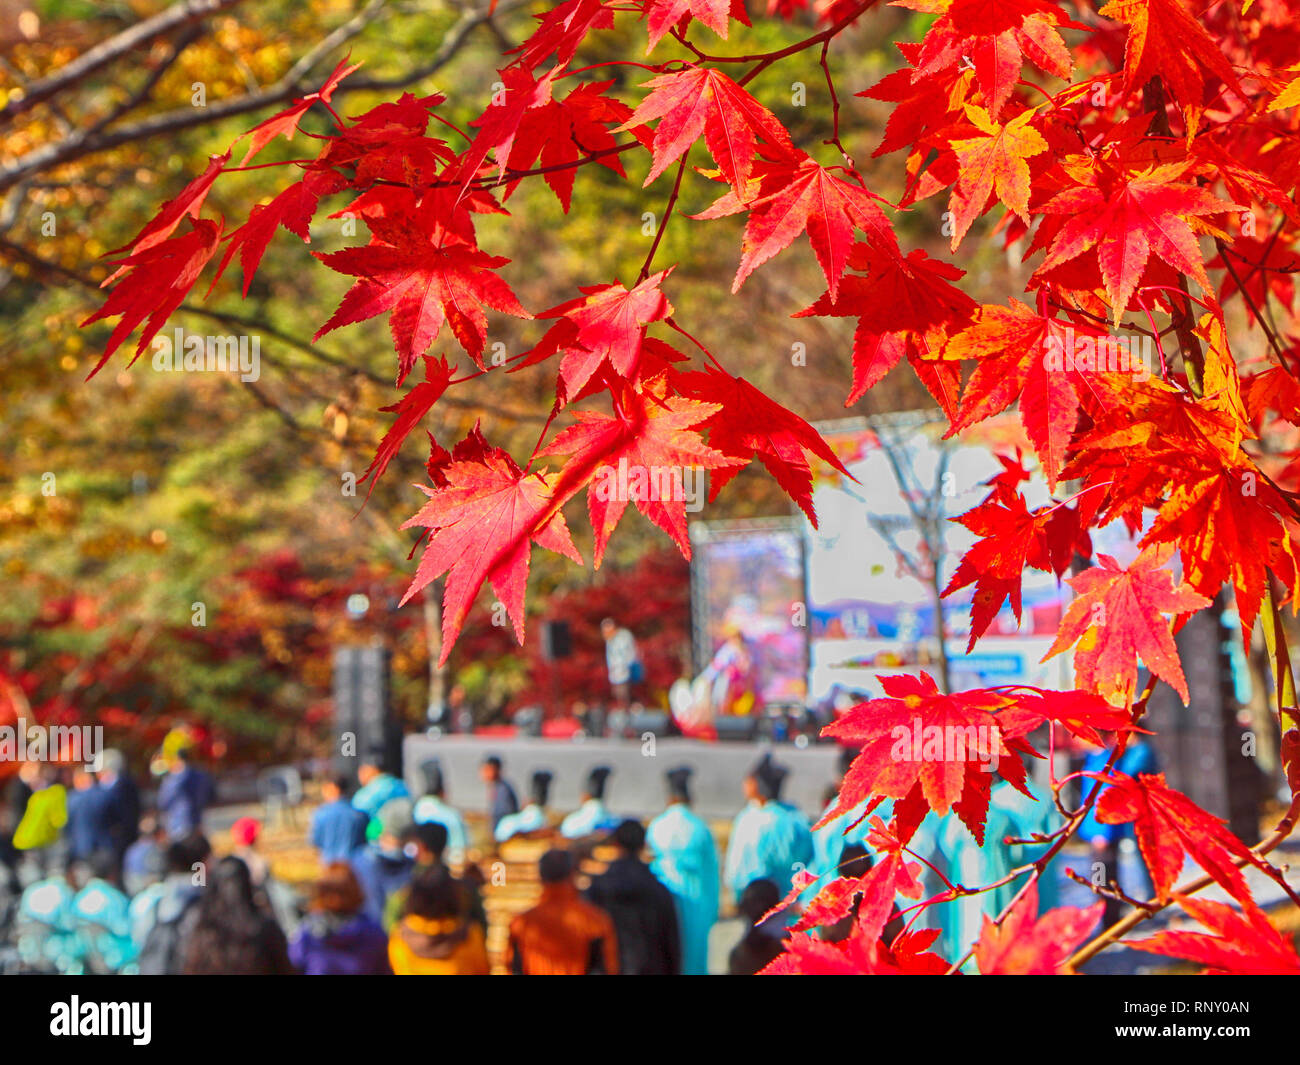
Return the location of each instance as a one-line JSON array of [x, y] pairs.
[[557, 642], [364, 722], [735, 726]]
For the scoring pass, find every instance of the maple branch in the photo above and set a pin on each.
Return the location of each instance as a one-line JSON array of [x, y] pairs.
[[1273, 341], [289, 87], [1131, 920], [175, 17]]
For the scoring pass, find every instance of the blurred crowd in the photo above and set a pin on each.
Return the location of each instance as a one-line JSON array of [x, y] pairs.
[[94, 881]]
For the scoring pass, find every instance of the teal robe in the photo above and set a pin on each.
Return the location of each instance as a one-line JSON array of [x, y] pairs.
[[768, 842], [592, 816], [965, 862], [1028, 816], [686, 863], [371, 799], [433, 810], [830, 840], [529, 819], [103, 919]]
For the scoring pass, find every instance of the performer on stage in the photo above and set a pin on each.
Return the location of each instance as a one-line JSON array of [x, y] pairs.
[[686, 862], [592, 816], [531, 817]]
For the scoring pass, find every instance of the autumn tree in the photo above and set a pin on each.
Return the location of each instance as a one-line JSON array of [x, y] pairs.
[[1140, 160]]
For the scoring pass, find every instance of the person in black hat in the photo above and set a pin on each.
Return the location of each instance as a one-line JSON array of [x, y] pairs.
[[643, 911], [686, 862], [770, 839], [433, 808], [533, 816], [592, 816], [502, 801]]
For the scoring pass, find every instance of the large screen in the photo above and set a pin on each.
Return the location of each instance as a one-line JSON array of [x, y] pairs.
[[747, 584], [871, 594]]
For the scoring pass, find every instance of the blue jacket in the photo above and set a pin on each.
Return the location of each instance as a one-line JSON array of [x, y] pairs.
[[380, 874], [87, 830], [337, 829], [182, 798], [1138, 757]]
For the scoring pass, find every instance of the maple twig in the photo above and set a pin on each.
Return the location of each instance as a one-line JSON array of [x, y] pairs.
[[1131, 920], [835, 107], [663, 222], [672, 324]]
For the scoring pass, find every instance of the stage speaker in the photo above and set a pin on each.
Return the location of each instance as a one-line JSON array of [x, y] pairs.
[[654, 721], [742, 727], [364, 721], [557, 642]]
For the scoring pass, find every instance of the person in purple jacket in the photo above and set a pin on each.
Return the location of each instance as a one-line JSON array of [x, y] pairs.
[[338, 938]]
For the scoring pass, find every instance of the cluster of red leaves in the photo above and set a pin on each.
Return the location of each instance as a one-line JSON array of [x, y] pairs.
[[1175, 128]]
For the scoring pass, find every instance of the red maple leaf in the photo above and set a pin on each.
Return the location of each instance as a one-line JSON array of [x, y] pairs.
[[1014, 347], [1245, 944], [482, 524], [186, 204], [562, 29], [422, 283], [1165, 41], [293, 209], [560, 132], [639, 455], [699, 101], [285, 123], [157, 280], [906, 305], [1013, 538], [1170, 828], [889, 877], [749, 425], [920, 744], [1025, 944], [1126, 217], [1082, 713], [410, 409], [1228, 525], [992, 161], [605, 326], [1117, 616], [663, 15], [794, 195]]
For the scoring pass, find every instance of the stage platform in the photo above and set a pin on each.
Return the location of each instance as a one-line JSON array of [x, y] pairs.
[[636, 787]]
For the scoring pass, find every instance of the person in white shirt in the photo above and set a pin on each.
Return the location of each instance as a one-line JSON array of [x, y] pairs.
[[622, 659]]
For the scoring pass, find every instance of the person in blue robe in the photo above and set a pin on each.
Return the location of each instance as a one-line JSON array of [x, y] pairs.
[[770, 839], [433, 808], [101, 914], [592, 815], [686, 863], [533, 816]]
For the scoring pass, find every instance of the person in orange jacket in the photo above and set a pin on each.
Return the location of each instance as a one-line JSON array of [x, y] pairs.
[[434, 935], [563, 935]]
